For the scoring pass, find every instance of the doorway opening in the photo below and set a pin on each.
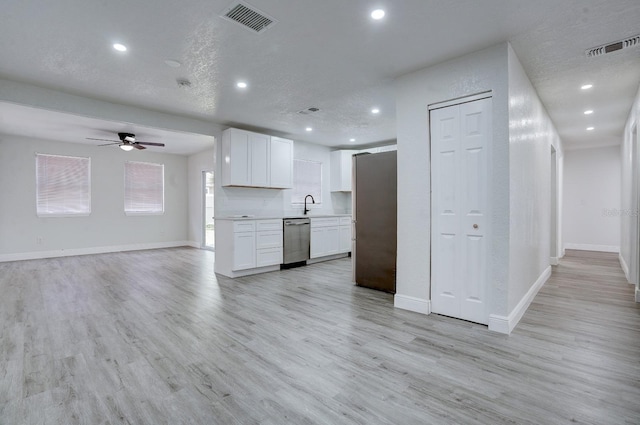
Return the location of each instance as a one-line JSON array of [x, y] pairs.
[[208, 237]]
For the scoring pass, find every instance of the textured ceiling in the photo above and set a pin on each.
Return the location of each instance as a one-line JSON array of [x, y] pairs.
[[327, 54]]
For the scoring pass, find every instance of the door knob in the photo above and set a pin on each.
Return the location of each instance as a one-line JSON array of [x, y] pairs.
[[475, 226]]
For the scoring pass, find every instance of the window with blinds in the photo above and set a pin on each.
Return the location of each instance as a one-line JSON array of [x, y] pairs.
[[143, 188], [307, 180], [63, 185]]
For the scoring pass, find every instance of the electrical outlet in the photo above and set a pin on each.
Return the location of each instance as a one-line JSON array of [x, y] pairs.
[[39, 240]]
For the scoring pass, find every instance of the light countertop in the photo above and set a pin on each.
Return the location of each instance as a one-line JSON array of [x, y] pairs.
[[250, 217]]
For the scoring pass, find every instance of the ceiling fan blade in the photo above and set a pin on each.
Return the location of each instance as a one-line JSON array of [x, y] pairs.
[[112, 143], [150, 143], [102, 140], [137, 146]]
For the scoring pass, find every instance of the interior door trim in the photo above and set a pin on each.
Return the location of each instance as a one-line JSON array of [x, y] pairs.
[[460, 100]]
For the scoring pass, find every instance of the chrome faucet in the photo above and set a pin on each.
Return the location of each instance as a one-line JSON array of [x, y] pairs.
[[305, 203]]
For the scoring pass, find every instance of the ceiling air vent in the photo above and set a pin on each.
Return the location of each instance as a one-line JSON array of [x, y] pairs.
[[308, 111], [612, 47], [249, 17]]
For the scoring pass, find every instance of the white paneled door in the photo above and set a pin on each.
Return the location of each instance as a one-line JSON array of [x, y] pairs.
[[461, 138]]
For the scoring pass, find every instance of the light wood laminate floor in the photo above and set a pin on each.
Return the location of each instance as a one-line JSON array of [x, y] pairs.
[[155, 337]]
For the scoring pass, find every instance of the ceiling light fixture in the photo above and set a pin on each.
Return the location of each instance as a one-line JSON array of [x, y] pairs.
[[377, 14], [589, 128], [241, 85], [120, 47], [375, 111], [126, 147], [588, 112], [309, 129], [352, 140], [586, 86]]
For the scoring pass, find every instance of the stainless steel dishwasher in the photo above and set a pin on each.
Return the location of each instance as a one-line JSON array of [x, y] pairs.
[[297, 235]]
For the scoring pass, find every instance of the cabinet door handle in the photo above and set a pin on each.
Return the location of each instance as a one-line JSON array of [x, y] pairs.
[[475, 226]]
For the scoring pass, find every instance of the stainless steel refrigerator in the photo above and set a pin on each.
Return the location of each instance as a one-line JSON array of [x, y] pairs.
[[374, 200]]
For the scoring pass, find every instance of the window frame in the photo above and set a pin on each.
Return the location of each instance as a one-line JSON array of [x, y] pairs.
[[38, 190], [141, 213], [317, 198]]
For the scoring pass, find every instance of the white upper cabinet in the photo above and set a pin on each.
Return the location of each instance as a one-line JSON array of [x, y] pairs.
[[260, 163], [341, 170], [256, 160], [281, 163]]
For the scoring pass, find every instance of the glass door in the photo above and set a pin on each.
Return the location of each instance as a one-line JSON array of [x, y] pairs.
[[207, 204]]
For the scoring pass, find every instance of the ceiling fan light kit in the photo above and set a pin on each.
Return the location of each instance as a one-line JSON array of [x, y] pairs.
[[127, 142]]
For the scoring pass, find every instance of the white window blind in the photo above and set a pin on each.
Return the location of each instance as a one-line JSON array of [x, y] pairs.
[[143, 188], [307, 180], [63, 185]]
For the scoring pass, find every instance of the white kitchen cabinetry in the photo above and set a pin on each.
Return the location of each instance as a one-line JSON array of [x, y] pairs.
[[327, 236], [281, 163], [341, 170], [344, 232], [256, 160], [256, 246], [244, 248], [268, 242]]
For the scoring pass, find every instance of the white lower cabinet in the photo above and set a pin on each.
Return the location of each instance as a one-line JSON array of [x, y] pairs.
[[328, 236], [244, 250], [256, 244], [345, 238]]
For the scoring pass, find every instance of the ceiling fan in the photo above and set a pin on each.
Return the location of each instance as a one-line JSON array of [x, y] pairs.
[[127, 142]]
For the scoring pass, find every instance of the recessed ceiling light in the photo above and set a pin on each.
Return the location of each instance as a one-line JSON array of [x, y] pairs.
[[588, 112], [120, 47], [377, 14], [173, 63], [375, 111], [241, 85], [589, 128], [586, 86], [352, 140], [309, 129]]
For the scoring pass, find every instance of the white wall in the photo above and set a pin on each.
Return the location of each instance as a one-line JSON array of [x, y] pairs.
[[592, 199], [203, 161], [629, 215], [474, 73], [520, 179], [277, 202], [531, 135], [107, 228]]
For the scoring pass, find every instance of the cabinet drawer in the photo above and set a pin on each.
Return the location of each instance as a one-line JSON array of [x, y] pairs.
[[268, 257], [269, 239], [268, 225], [344, 221], [324, 222], [244, 226]]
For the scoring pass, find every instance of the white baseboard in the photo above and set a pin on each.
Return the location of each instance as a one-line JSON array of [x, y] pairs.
[[249, 272], [327, 258], [417, 305], [554, 261], [588, 247], [37, 255], [624, 266], [505, 324], [194, 244]]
